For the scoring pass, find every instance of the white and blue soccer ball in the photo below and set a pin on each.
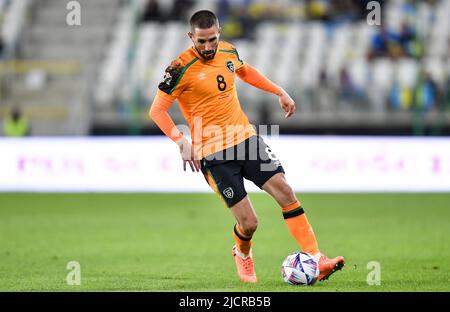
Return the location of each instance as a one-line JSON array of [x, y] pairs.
[[300, 268]]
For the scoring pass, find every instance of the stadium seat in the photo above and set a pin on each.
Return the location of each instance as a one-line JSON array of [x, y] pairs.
[[407, 73]]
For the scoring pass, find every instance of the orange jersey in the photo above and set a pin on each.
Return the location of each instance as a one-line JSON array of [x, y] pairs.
[[206, 92]]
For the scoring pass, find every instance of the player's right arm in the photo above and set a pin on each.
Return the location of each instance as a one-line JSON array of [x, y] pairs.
[[159, 113]]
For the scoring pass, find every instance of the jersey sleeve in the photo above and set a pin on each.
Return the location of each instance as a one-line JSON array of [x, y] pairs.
[[172, 85], [239, 61], [252, 76], [229, 48]]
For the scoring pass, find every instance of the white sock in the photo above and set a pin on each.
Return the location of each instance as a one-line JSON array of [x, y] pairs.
[[242, 255], [317, 257]]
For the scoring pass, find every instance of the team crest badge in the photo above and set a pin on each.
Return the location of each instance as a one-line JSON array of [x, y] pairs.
[[230, 66], [228, 192]]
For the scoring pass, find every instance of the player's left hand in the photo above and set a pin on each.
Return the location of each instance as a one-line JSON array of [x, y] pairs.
[[287, 103]]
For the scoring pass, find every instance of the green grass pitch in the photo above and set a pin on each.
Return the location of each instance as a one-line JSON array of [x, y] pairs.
[[182, 242]]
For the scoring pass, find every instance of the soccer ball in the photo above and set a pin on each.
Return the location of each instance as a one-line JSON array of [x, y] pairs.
[[300, 268]]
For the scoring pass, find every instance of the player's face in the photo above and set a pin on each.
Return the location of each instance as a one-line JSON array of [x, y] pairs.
[[206, 41]]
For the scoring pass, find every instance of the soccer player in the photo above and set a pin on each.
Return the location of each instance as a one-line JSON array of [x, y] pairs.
[[225, 147]]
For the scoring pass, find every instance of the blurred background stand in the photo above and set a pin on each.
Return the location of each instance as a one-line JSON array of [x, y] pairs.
[[346, 76]]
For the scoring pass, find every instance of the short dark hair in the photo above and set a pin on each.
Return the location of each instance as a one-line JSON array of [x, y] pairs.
[[203, 19]]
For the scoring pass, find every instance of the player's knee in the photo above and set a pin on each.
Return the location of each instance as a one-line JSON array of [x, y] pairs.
[[287, 192]]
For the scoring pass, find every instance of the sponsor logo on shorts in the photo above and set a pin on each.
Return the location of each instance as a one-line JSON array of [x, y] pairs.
[[228, 192]]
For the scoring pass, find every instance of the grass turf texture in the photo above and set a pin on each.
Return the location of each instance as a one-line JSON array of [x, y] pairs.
[[182, 242]]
